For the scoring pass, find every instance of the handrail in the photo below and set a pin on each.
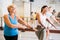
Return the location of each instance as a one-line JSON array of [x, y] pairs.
[[52, 31]]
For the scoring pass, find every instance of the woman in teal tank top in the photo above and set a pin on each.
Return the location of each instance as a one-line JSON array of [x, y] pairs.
[[11, 24]]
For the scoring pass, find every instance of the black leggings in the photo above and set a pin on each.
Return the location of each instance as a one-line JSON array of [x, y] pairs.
[[11, 37]]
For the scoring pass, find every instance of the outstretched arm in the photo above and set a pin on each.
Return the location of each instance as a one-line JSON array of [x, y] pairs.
[[55, 19], [51, 22], [9, 24], [23, 22]]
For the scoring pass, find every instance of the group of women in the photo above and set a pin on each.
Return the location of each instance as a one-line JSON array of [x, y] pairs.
[[12, 23]]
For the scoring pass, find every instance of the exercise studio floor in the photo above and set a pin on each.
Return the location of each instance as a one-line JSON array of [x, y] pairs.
[[32, 36]]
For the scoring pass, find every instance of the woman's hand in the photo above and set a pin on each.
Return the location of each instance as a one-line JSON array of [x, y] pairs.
[[19, 26], [35, 29], [29, 27]]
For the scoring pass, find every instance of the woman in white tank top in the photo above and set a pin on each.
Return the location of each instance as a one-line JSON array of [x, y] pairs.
[[42, 19]]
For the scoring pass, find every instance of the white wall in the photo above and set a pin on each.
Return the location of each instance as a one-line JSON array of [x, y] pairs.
[[37, 4], [5, 4], [23, 7], [3, 8], [19, 7], [27, 11]]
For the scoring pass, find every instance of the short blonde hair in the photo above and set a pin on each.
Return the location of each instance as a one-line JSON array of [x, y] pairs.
[[11, 6]]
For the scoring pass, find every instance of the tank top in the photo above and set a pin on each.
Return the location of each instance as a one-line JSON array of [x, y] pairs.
[[11, 31], [43, 19]]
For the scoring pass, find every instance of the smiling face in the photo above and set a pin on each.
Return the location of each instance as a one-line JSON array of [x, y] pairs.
[[11, 9]]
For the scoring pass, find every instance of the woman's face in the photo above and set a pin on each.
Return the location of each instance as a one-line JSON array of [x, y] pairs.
[[45, 9], [12, 10], [50, 9]]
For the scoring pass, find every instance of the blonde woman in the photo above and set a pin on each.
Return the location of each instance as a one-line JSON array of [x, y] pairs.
[[11, 24]]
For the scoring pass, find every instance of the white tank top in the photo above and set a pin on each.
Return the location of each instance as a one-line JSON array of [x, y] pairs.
[[43, 19]]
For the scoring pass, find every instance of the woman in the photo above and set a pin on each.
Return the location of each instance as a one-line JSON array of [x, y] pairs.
[[42, 19], [11, 24], [50, 15]]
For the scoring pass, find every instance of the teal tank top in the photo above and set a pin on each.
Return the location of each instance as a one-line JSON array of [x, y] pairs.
[[11, 31]]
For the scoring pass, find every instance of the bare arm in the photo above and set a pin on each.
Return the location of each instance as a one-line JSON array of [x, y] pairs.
[[23, 22], [55, 19], [51, 22], [7, 21]]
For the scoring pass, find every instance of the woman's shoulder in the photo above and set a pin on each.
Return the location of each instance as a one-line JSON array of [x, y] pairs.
[[39, 13], [5, 15], [17, 17]]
